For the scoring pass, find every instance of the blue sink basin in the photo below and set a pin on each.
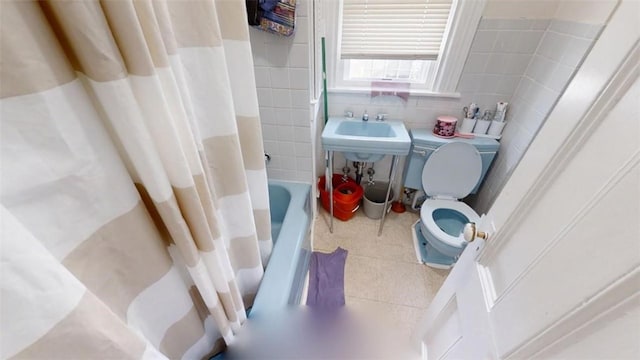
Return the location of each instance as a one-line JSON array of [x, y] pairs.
[[367, 141], [364, 128]]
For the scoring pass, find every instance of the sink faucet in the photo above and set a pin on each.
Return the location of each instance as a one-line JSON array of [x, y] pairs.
[[380, 117]]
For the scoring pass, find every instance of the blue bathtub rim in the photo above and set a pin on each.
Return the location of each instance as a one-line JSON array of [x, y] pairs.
[[277, 283]]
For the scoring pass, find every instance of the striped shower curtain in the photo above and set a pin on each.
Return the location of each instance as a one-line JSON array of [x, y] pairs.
[[133, 193]]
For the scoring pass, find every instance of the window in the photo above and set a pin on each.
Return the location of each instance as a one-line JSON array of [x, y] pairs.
[[423, 42], [413, 71]]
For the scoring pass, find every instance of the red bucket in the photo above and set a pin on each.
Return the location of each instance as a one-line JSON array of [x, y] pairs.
[[346, 197]]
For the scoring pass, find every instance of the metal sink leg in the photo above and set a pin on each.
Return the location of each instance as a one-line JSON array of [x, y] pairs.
[[392, 175]]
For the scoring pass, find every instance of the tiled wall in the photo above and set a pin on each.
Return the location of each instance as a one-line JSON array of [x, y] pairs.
[[283, 81], [526, 62], [559, 53], [499, 56]]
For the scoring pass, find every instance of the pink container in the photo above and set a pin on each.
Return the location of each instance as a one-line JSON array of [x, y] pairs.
[[445, 126]]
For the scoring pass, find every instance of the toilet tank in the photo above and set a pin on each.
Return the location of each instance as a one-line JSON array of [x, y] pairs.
[[424, 143]]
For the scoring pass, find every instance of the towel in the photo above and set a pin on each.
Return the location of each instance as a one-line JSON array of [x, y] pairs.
[[326, 279], [399, 89], [277, 16], [268, 5]]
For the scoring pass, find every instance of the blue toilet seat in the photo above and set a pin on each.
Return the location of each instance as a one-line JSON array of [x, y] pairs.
[[446, 211]]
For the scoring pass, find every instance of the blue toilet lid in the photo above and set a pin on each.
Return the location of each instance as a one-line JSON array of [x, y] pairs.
[[452, 171]]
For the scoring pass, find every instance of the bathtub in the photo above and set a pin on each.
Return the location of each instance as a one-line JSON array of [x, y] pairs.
[[284, 279]]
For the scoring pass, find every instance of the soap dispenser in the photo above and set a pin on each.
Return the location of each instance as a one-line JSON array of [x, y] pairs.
[[365, 116]]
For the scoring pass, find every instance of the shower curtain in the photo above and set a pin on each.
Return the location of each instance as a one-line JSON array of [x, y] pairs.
[[133, 192]]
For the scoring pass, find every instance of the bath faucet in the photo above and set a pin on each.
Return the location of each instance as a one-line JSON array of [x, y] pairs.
[[365, 116], [380, 117]]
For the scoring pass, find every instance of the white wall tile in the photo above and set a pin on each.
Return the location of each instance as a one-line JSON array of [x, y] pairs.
[[300, 99], [288, 162], [301, 134], [516, 64], [281, 174], [497, 63], [276, 161], [281, 98], [523, 87], [303, 176], [507, 85], [560, 77], [575, 50], [484, 41], [489, 83], [267, 115], [299, 78], [511, 130], [560, 26], [572, 28], [265, 98], [277, 53], [285, 132], [298, 56], [263, 78], [531, 120], [545, 100], [259, 52], [283, 116], [514, 24], [593, 31], [528, 41], [476, 63], [507, 41], [540, 24], [302, 149], [258, 36], [301, 35], [488, 101], [279, 77], [301, 117], [490, 24], [551, 45], [302, 9], [303, 163], [286, 148], [470, 82], [270, 146], [269, 132], [539, 68]]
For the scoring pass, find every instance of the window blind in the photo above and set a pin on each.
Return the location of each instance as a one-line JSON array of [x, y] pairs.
[[388, 29]]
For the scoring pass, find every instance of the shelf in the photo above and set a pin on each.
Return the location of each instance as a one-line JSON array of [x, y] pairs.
[[496, 137]]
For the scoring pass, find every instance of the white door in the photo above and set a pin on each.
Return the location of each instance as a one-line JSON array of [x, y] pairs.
[[559, 276]]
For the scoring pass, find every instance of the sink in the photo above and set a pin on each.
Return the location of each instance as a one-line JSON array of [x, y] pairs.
[[364, 128], [367, 141]]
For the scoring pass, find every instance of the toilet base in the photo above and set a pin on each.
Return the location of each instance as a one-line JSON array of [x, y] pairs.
[[426, 253]]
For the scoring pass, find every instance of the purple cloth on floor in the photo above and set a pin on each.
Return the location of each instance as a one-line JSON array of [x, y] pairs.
[[326, 279]]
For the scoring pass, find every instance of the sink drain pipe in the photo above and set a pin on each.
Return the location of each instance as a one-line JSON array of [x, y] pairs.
[[359, 165]]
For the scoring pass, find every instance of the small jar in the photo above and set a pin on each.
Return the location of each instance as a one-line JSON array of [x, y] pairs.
[[445, 126]]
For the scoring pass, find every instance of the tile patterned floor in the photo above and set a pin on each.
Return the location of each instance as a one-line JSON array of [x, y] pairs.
[[382, 274]]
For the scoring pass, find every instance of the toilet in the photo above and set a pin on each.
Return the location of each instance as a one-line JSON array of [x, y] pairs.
[[450, 170]]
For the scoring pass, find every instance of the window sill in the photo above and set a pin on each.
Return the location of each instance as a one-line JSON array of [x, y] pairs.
[[412, 92]]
